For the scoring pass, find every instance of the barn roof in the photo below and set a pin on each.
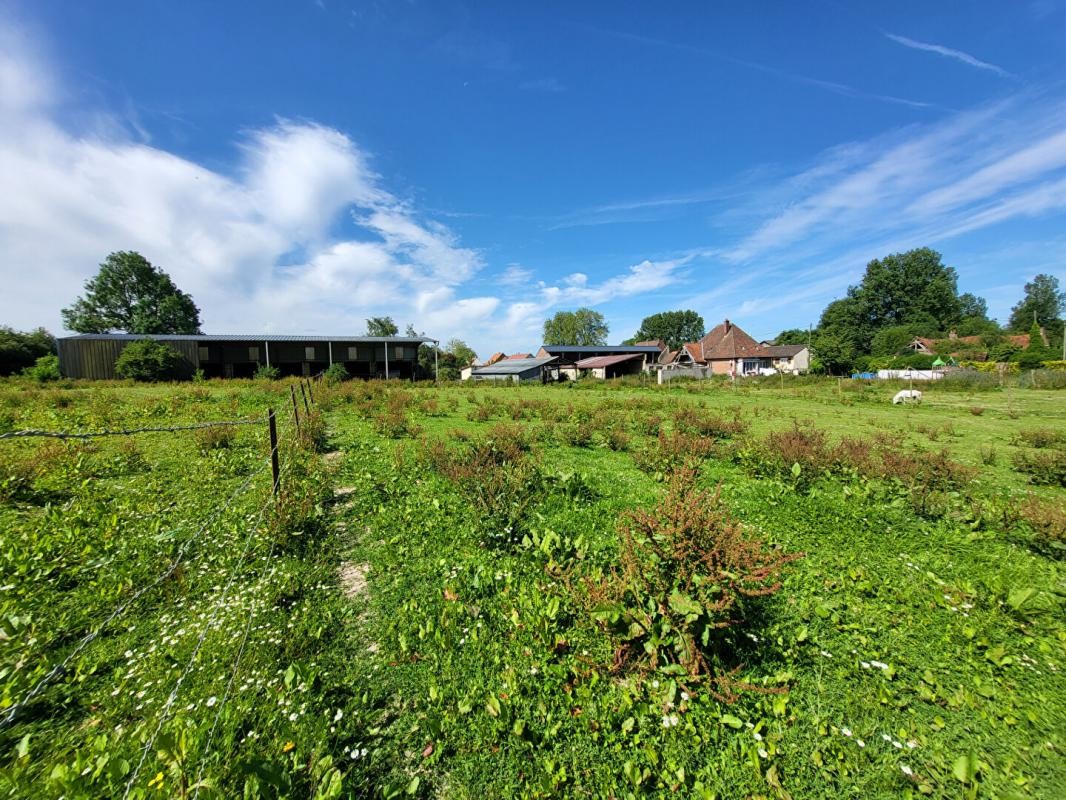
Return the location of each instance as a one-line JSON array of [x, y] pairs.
[[605, 348], [598, 362], [514, 366], [251, 337]]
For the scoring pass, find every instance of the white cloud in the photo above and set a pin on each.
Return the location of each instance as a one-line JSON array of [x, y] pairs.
[[268, 246], [515, 275], [948, 52]]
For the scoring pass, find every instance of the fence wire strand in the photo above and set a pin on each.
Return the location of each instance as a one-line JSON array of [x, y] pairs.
[[26, 434], [164, 713], [59, 668]]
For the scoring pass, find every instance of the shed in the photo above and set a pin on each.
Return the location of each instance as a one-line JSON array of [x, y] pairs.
[[517, 370], [612, 366]]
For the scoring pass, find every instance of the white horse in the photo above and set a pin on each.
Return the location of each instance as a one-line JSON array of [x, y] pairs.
[[907, 396]]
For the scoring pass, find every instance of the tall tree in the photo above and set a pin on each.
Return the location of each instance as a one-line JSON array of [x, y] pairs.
[[793, 336], [582, 328], [1042, 301], [673, 327], [129, 294], [19, 350], [464, 354], [914, 288], [381, 326]]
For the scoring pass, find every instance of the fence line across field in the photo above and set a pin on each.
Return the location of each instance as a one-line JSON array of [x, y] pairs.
[[26, 434], [58, 669], [164, 713]]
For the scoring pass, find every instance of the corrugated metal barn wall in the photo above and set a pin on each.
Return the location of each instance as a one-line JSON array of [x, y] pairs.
[[95, 358]]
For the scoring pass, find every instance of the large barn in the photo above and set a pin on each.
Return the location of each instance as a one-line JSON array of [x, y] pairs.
[[93, 355]]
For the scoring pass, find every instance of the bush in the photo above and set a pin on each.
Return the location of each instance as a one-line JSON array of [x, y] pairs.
[[670, 453], [497, 476], [149, 361], [217, 437], [337, 373], [1046, 468], [1040, 437], [1048, 523], [687, 569], [45, 369], [266, 372]]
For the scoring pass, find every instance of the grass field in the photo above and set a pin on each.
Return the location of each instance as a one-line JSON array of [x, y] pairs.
[[437, 606]]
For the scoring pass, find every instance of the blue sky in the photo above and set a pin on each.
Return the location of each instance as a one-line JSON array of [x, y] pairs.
[[472, 168]]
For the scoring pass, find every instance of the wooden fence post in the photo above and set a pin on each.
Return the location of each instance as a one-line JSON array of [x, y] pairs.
[[275, 467], [310, 393], [295, 410], [307, 408]]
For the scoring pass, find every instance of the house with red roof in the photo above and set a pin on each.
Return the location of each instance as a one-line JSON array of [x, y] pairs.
[[726, 349]]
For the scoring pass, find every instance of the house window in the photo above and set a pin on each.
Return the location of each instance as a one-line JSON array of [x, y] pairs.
[[253, 353], [309, 353], [202, 353], [400, 352], [353, 353]]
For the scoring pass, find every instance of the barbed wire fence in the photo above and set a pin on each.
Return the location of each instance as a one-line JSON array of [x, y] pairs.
[[182, 556]]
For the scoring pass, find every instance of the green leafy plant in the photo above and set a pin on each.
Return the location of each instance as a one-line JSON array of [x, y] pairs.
[[267, 372], [687, 570], [149, 361], [45, 369], [336, 373]]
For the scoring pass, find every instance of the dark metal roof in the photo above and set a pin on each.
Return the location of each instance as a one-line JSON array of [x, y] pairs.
[[514, 366], [598, 362], [250, 337], [607, 348], [785, 350]]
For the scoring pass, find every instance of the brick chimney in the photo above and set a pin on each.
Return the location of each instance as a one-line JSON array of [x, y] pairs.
[[728, 325]]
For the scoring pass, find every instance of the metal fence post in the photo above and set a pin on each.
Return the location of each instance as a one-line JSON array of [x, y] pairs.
[[275, 466]]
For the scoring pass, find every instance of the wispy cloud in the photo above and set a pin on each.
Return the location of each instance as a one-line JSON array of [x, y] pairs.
[[836, 87], [804, 238], [948, 52]]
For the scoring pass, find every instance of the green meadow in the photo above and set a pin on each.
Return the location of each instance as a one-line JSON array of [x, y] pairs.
[[779, 588]]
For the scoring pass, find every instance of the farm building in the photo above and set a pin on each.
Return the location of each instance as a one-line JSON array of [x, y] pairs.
[[570, 355], [93, 355], [611, 366], [794, 358], [517, 370]]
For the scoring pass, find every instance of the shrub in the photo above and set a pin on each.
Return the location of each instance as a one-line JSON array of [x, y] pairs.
[[217, 437], [576, 434], [650, 425], [1040, 437], [45, 369], [687, 569], [149, 361], [498, 477], [393, 421], [1047, 468], [617, 438], [337, 373], [672, 452], [977, 410], [1048, 523], [265, 372], [692, 421]]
